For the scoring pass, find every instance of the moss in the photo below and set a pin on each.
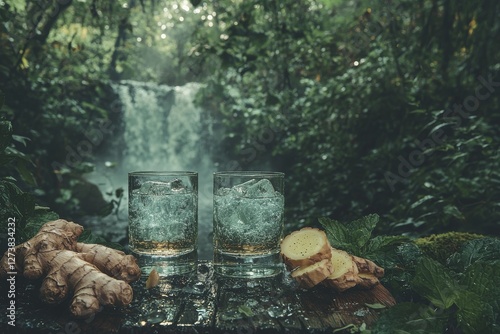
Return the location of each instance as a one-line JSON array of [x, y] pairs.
[[441, 246]]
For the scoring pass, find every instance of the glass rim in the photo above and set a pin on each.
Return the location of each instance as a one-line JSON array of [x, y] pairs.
[[163, 173], [256, 173]]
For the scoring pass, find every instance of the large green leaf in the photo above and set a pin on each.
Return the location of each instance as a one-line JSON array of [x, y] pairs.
[[355, 237], [474, 315], [481, 278], [361, 229], [383, 244], [25, 173], [337, 233], [352, 236], [434, 283], [484, 249]]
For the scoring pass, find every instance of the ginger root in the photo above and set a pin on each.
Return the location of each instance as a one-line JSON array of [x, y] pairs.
[[110, 261], [95, 274], [310, 276], [369, 272], [312, 260], [345, 272], [305, 247], [68, 271]]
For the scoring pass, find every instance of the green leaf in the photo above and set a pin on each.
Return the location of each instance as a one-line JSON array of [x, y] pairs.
[[21, 139], [343, 329], [18, 5], [437, 127], [433, 282], [484, 249], [474, 315], [376, 306], [102, 112], [400, 265], [409, 255], [337, 233], [452, 210], [411, 318], [361, 229], [418, 111], [245, 310], [352, 236], [384, 242], [26, 175], [9, 179], [14, 153], [421, 201], [481, 279]]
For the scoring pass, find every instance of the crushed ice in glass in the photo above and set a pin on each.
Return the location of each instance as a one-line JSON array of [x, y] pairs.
[[162, 211], [250, 213]]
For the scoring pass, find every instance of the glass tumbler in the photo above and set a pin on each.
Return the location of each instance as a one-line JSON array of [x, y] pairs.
[[163, 220], [248, 223]]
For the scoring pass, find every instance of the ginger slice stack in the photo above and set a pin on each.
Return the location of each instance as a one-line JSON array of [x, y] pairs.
[[311, 260]]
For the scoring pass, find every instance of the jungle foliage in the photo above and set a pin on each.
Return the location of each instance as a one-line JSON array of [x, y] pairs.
[[57, 59], [450, 291], [388, 107]]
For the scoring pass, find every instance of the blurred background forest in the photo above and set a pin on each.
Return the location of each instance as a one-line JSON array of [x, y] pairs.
[[388, 107]]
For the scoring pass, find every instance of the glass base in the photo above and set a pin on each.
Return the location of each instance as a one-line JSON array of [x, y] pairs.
[[167, 265], [247, 266]]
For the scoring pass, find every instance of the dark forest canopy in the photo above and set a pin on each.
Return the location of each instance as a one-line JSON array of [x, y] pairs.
[[389, 107]]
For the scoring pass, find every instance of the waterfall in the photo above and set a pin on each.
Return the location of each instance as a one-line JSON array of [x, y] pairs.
[[162, 127], [163, 130]]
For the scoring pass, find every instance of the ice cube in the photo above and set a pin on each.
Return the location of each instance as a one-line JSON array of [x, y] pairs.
[[153, 188], [177, 186], [256, 189], [224, 191], [241, 189], [159, 188]]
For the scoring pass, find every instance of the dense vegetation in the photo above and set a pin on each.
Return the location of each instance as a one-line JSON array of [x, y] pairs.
[[367, 107], [388, 107]]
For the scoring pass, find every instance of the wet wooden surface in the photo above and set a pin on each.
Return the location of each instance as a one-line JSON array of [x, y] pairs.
[[203, 303]]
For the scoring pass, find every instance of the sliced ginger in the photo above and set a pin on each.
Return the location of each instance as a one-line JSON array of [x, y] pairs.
[[305, 247], [310, 276], [315, 261], [345, 271], [369, 272]]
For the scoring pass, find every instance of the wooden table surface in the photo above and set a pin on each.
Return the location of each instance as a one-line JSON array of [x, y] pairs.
[[201, 302]]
